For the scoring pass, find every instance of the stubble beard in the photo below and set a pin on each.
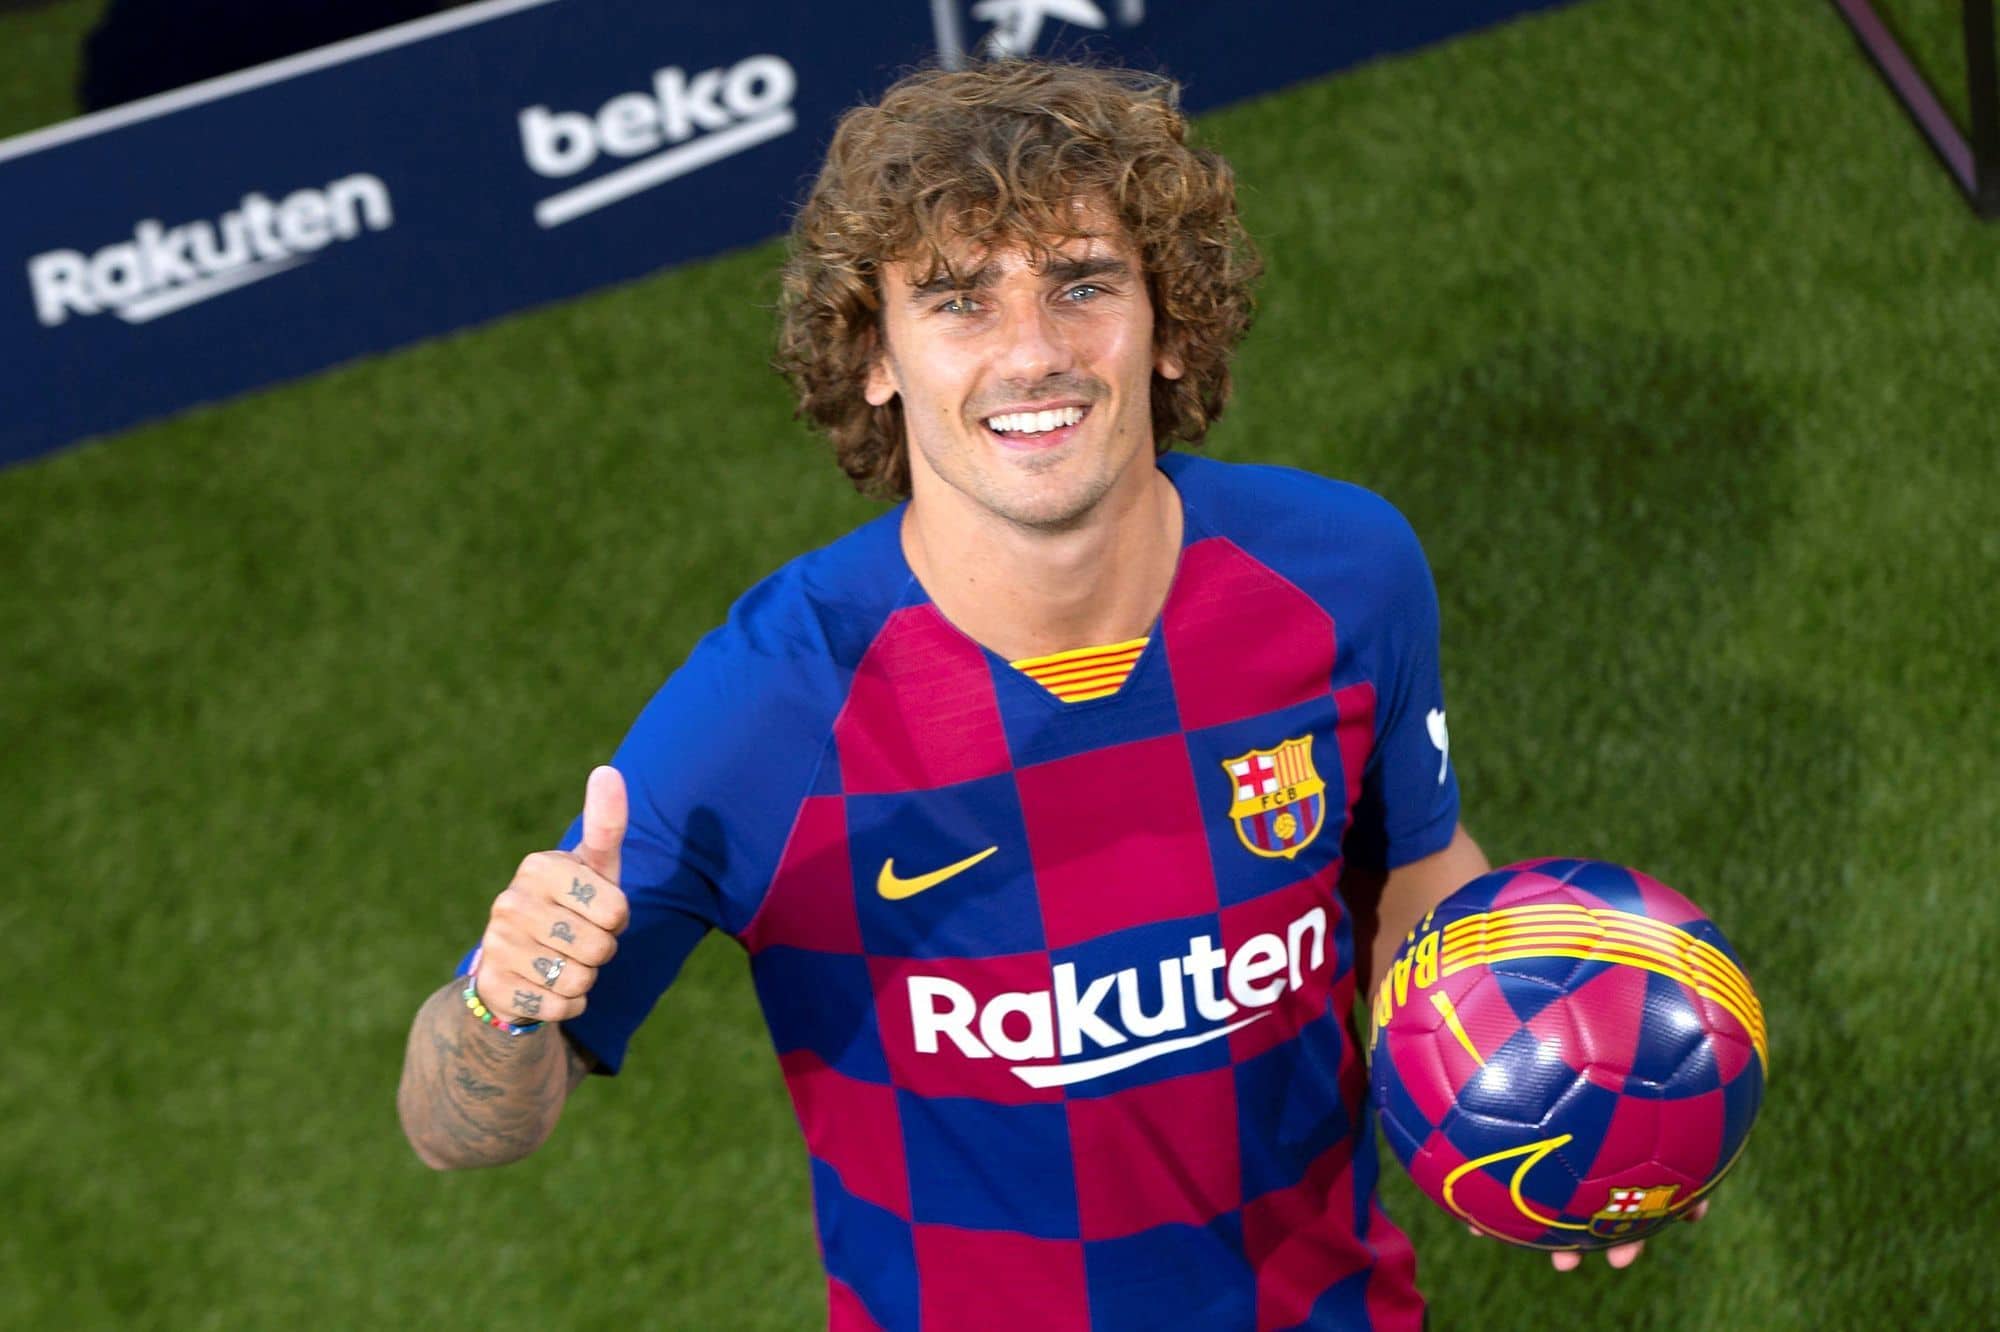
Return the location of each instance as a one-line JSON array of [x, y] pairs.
[[1035, 506], [1021, 491]]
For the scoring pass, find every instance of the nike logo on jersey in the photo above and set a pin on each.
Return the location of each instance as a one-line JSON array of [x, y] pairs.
[[895, 888]]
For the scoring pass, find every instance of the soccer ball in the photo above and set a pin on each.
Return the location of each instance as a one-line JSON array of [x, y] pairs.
[[1567, 1054]]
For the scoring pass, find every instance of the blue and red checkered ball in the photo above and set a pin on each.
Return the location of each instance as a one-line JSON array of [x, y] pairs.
[[1567, 1054]]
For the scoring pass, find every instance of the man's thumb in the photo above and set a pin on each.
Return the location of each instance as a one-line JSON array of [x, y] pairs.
[[603, 821]]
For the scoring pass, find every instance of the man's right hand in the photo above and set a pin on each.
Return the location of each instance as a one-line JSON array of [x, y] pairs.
[[559, 920]]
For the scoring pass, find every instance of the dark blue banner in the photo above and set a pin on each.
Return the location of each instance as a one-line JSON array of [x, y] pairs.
[[274, 222]]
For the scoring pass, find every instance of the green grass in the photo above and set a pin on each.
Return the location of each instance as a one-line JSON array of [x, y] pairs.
[[40, 54], [1656, 318], [1932, 34]]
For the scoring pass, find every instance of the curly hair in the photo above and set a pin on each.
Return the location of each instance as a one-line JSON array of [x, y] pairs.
[[993, 156]]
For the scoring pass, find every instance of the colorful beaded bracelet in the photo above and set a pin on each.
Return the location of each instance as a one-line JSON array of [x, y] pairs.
[[485, 1014]]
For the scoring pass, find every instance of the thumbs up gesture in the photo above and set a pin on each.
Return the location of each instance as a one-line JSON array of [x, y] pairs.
[[559, 920]]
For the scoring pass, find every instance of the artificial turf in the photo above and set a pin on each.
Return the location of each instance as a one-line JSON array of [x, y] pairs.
[[1657, 320]]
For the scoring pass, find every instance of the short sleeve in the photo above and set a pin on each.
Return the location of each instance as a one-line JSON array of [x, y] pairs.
[[669, 877], [1409, 798], [676, 860], [697, 762], [720, 761]]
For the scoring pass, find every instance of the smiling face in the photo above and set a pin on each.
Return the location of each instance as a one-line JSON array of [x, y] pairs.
[[1026, 388]]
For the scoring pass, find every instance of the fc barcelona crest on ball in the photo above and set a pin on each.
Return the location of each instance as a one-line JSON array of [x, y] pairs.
[[1280, 799], [1630, 1209]]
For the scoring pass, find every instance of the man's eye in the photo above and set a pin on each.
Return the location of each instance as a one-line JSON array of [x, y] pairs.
[[958, 305], [1083, 292]]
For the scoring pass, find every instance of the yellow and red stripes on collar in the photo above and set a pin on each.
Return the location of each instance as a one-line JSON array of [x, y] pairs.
[[1081, 674]]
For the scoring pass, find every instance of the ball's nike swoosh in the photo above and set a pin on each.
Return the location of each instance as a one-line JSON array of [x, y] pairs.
[[896, 889]]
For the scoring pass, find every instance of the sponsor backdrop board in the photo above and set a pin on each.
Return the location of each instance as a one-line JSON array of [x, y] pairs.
[[353, 199]]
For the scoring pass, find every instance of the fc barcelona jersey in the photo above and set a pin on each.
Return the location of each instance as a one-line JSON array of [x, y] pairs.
[[1061, 990]]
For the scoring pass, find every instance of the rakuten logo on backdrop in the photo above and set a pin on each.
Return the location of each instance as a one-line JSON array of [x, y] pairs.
[[685, 122], [163, 269]]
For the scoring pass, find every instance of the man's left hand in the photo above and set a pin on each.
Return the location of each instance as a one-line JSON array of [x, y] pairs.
[[1618, 1255]]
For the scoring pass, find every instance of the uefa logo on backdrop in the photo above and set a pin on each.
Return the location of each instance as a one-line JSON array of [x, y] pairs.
[[993, 29], [679, 124]]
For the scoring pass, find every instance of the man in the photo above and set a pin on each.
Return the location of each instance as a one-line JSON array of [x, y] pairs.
[[1043, 804]]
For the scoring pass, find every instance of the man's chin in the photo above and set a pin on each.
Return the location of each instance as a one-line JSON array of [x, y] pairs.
[[1051, 509]]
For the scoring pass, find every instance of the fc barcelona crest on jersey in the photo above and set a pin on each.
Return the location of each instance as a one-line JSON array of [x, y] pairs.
[[1280, 799]]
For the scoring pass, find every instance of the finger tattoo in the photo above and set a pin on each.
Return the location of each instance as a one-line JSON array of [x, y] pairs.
[[582, 891], [561, 930], [528, 1002], [546, 968]]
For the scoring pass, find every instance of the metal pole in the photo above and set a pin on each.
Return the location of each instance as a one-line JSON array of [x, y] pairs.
[[1914, 91], [1982, 106]]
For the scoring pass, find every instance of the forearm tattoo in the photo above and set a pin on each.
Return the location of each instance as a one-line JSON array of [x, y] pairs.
[[472, 1086], [476, 1097]]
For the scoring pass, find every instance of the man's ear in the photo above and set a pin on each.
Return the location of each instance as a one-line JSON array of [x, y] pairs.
[[880, 385], [1168, 364]]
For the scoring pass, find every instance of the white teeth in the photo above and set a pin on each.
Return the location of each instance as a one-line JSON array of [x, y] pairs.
[[1034, 423]]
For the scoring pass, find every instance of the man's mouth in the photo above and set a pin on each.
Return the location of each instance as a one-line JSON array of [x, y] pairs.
[[1038, 428]]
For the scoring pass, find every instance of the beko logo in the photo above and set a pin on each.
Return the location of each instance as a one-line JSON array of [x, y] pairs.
[[163, 269], [685, 123]]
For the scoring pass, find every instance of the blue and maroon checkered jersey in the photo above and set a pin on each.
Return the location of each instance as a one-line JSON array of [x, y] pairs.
[[1061, 990]]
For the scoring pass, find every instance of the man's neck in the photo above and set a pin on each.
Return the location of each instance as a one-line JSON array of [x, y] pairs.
[[1026, 593]]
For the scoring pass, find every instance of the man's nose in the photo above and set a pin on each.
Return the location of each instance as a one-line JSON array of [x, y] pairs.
[[1035, 344]]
